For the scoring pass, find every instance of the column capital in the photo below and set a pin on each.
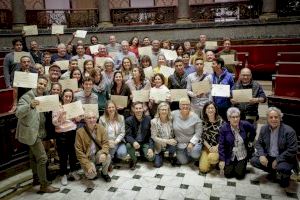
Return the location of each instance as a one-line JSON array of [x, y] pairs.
[[183, 15], [268, 10]]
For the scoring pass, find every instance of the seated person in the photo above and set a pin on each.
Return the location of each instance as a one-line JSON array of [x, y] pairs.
[[276, 148], [138, 135], [92, 147], [163, 135]]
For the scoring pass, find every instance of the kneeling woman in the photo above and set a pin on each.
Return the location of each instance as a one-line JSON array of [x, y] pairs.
[[163, 135], [235, 136]]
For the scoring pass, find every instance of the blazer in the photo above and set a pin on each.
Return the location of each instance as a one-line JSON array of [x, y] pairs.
[[160, 142], [120, 133], [226, 139]]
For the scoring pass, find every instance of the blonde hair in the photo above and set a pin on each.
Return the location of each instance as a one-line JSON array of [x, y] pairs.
[[184, 100], [162, 104]]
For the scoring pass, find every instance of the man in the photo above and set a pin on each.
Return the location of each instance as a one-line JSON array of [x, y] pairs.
[[86, 96], [113, 46], [61, 53], [146, 41], [198, 99], [155, 52], [186, 62], [228, 51], [249, 111], [46, 59], [223, 77], [138, 135], [210, 56], [188, 48], [125, 53], [202, 39], [276, 148], [54, 75], [36, 54], [81, 53], [73, 63], [92, 148], [31, 131]]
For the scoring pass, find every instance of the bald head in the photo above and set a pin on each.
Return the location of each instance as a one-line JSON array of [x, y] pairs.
[[245, 76]]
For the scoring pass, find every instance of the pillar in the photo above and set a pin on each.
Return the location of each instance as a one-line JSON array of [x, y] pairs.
[[268, 9], [104, 13], [183, 15], [18, 13]]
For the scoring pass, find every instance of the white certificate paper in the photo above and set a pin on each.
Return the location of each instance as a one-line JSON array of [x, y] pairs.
[[140, 95], [159, 95], [80, 34], [69, 84], [208, 67], [99, 62], [211, 45], [91, 108], [169, 54], [201, 87], [148, 72], [166, 71], [242, 96], [63, 64], [19, 55], [47, 103], [177, 94], [229, 59], [145, 51], [73, 110], [94, 49], [120, 101], [25, 79], [220, 90], [57, 29], [30, 30]]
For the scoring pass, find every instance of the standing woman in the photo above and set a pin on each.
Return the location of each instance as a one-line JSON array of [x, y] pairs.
[[163, 135], [126, 68], [76, 73], [145, 61], [88, 66], [65, 138], [115, 129], [134, 44], [210, 137], [235, 136]]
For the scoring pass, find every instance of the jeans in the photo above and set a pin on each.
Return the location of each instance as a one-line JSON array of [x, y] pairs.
[[184, 157], [143, 151], [120, 151], [158, 160]]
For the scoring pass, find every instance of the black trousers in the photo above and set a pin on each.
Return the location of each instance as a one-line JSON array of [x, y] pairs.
[[236, 169]]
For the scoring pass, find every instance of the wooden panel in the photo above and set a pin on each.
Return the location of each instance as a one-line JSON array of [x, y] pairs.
[[286, 86], [2, 82], [7, 100], [289, 68], [288, 56]]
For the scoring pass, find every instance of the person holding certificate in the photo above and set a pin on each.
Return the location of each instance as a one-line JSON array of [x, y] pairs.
[[134, 45], [61, 53], [65, 139], [88, 66], [31, 131], [125, 53], [145, 61], [161, 61], [54, 75], [76, 73], [163, 135], [228, 51]]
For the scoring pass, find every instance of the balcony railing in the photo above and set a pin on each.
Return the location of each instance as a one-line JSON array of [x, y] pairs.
[[288, 8], [5, 18], [229, 11], [139, 16], [71, 17]]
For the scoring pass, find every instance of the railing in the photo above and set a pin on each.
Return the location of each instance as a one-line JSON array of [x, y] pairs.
[[5, 18], [288, 8], [139, 16], [71, 17], [219, 12]]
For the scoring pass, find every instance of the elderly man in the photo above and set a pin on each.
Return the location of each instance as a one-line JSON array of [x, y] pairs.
[[92, 148], [81, 53], [249, 111], [113, 46], [276, 148], [155, 52], [61, 53], [125, 53]]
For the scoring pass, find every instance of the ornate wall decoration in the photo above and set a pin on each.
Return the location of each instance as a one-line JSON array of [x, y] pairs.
[[166, 3], [119, 4], [195, 2], [5, 4], [34, 4]]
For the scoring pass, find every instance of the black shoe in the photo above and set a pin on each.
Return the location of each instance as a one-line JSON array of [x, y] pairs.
[[272, 177], [196, 163], [106, 177], [284, 182], [132, 164]]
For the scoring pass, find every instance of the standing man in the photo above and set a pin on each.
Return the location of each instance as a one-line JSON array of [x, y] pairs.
[[113, 46], [31, 131], [125, 53]]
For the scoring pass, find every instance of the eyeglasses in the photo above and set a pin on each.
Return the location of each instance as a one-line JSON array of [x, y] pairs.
[[235, 117]]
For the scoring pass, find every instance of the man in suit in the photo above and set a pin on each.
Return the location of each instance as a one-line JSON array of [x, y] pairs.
[[276, 148]]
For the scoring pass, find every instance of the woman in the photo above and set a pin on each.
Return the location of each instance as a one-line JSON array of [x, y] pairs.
[[134, 45], [115, 129], [166, 44], [40, 69], [159, 92], [88, 66], [76, 73], [100, 89], [120, 88], [210, 137], [235, 136], [187, 130], [179, 48], [108, 72], [126, 68], [146, 61], [163, 135], [161, 61], [65, 138], [199, 53]]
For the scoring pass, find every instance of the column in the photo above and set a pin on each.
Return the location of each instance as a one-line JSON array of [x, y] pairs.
[[268, 10], [104, 13], [183, 12], [18, 13]]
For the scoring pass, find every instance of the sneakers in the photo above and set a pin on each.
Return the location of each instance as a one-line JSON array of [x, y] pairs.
[[106, 177], [48, 189], [75, 176], [64, 180]]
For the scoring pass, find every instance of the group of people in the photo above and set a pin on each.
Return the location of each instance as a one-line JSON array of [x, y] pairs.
[[212, 131]]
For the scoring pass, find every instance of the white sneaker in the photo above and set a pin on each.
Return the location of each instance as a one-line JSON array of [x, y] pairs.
[[75, 176], [64, 180]]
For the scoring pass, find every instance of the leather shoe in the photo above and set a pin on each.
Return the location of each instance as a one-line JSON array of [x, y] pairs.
[[35, 182], [48, 189], [132, 164], [106, 177]]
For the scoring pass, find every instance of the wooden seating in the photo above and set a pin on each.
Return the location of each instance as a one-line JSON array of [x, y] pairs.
[[289, 68], [1, 71], [286, 85], [1, 61], [288, 56], [7, 100], [2, 82]]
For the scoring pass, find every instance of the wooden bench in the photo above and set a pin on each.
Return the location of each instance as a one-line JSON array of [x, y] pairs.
[[286, 85], [2, 82], [289, 68], [1, 71], [288, 56], [7, 100]]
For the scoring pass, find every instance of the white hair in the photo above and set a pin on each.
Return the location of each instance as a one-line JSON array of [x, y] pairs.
[[277, 110], [232, 110]]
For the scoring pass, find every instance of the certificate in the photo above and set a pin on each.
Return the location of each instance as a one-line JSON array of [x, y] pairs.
[[229, 59], [94, 49], [47, 103], [140, 95], [120, 101], [63, 64], [145, 51], [30, 30], [243, 95], [211, 45], [177, 94], [112, 54], [201, 87], [69, 84], [47, 70], [80, 34], [169, 54], [57, 29], [159, 95], [73, 110], [208, 67], [148, 72], [99, 62], [91, 108], [25, 79], [19, 55], [220, 90], [166, 71]]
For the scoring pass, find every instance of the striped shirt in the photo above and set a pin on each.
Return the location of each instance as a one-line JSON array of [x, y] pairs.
[[239, 150]]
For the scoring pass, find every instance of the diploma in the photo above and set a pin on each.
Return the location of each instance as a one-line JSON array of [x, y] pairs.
[[229, 59], [80, 64], [145, 51], [91, 108], [177, 94], [73, 110], [94, 49], [159, 95], [47, 70], [63, 64], [243, 95], [201, 87], [211, 45], [57, 29], [80, 34], [99, 62], [112, 54], [208, 67], [169, 54], [220, 90], [47, 103], [69, 84], [166, 71], [19, 55], [30, 30], [25, 79], [148, 72], [120, 101], [140, 95]]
